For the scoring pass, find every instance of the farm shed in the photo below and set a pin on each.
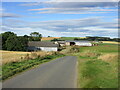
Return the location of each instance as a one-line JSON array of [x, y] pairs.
[[43, 46], [60, 43], [80, 43], [83, 43]]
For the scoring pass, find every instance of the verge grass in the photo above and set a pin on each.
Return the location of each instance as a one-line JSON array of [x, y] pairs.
[[30, 60], [17, 56], [12, 56], [98, 66]]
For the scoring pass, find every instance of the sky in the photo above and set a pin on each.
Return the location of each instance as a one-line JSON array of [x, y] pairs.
[[61, 19]]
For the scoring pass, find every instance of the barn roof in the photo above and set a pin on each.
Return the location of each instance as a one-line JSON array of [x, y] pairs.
[[61, 42], [80, 41], [41, 44]]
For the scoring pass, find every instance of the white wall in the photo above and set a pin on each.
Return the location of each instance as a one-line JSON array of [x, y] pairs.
[[83, 44], [48, 48]]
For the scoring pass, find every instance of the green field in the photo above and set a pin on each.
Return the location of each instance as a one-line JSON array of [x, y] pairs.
[[98, 66], [68, 38]]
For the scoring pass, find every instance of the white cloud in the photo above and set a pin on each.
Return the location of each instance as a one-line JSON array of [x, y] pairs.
[[77, 7], [9, 15], [73, 27]]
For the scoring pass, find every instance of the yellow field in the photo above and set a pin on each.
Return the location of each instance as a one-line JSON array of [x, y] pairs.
[[82, 37], [14, 56], [49, 38], [8, 56], [112, 42]]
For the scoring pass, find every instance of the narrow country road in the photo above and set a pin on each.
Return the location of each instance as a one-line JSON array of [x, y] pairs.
[[59, 73]]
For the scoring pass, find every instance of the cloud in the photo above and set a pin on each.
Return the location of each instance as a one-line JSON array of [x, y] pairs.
[[78, 7], [74, 10], [74, 23], [9, 15], [31, 4], [71, 27]]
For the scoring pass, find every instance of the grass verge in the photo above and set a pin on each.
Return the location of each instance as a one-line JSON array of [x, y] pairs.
[[13, 68], [98, 66]]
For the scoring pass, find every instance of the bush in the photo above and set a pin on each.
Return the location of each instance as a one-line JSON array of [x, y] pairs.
[[75, 49]]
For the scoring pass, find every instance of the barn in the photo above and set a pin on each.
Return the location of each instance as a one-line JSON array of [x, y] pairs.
[[80, 43], [60, 43], [42, 46], [70, 43], [83, 43]]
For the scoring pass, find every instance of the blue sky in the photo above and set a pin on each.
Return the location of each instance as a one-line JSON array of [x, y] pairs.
[[61, 19]]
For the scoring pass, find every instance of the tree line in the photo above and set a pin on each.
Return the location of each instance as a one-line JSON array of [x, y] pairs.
[[12, 42], [90, 38]]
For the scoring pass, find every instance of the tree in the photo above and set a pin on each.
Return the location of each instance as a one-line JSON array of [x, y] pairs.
[[11, 43], [5, 36], [24, 42], [35, 36], [14, 43]]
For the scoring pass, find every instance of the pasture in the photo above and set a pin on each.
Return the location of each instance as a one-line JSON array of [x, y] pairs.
[[98, 66]]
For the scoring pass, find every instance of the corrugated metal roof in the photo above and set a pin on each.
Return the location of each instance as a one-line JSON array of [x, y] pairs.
[[41, 44], [81, 41]]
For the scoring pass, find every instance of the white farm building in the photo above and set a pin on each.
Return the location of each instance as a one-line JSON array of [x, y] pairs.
[[70, 43], [83, 43], [42, 46]]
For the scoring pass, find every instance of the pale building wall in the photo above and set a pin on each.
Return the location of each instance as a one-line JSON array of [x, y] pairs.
[[48, 48], [83, 44], [67, 43], [43, 48]]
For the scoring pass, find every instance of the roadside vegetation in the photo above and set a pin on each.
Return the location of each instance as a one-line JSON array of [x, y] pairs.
[[98, 66], [12, 56], [30, 60], [17, 56]]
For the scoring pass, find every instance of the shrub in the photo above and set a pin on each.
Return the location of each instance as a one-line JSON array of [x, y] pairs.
[[75, 49]]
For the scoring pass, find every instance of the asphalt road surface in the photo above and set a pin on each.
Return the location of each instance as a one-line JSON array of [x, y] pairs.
[[59, 73]]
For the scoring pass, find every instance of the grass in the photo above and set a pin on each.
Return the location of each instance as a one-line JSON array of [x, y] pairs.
[[17, 56], [98, 66], [102, 48], [12, 56], [68, 38], [13, 68]]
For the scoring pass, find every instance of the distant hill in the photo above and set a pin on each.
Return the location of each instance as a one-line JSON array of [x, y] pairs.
[[71, 38]]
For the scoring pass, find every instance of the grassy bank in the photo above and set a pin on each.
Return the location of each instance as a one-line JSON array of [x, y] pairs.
[[13, 68], [98, 66]]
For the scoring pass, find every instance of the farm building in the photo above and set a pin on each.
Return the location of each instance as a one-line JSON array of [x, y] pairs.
[[70, 43], [43, 46], [60, 43], [83, 43]]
